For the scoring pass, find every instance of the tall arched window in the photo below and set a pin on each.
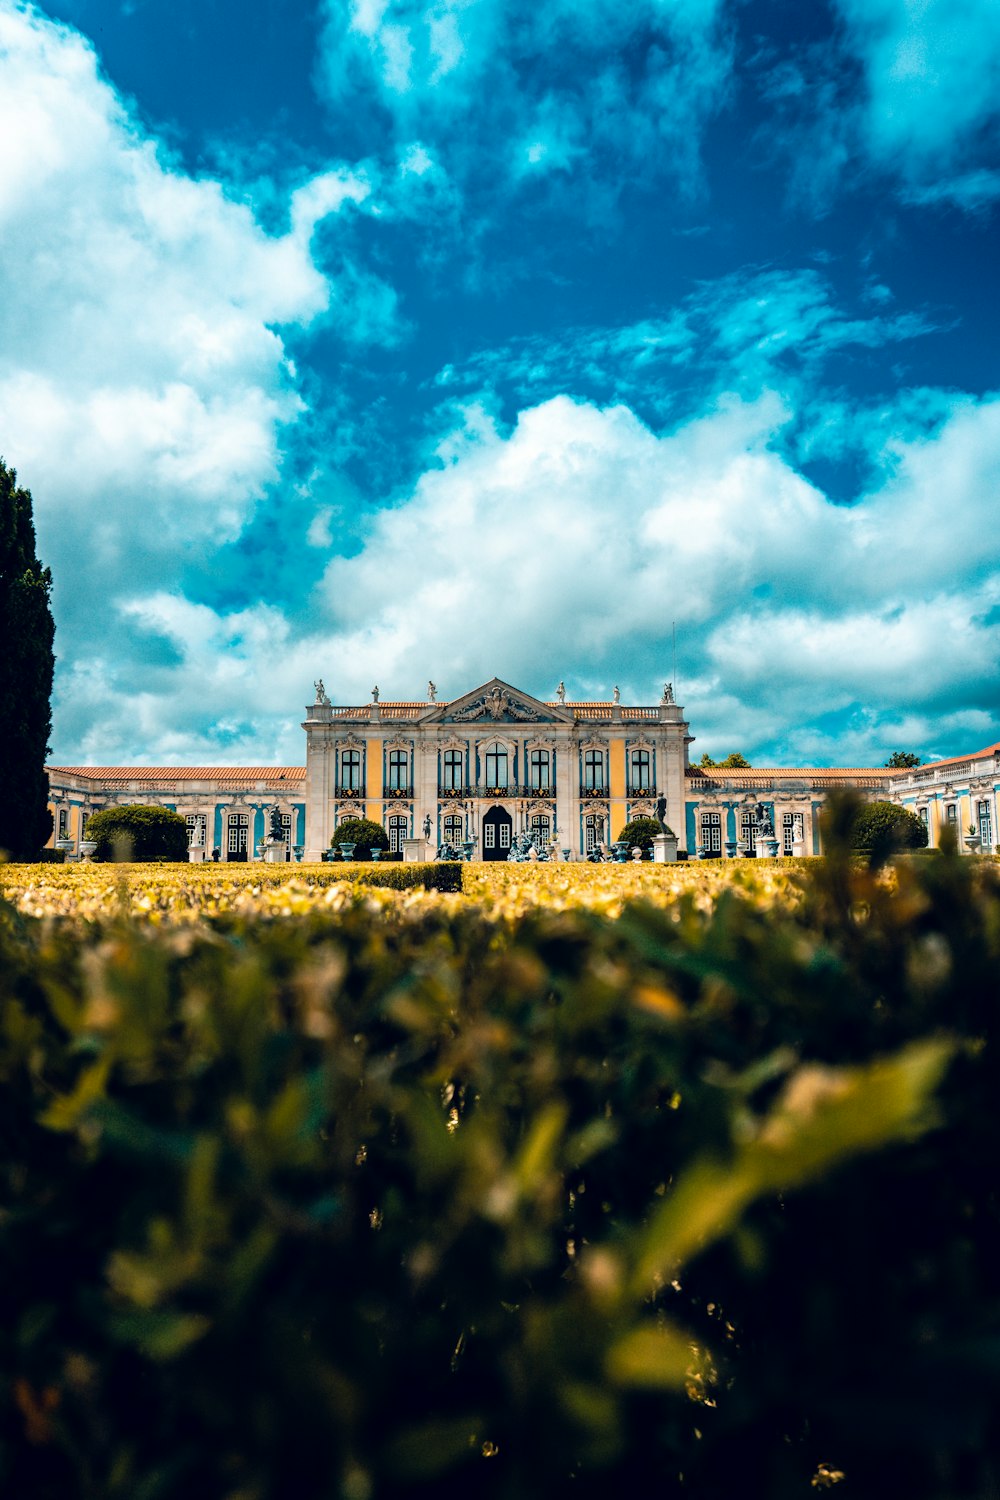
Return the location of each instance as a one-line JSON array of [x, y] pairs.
[[593, 770], [640, 771], [539, 770], [399, 771], [541, 829], [496, 766], [397, 832], [451, 770], [350, 770]]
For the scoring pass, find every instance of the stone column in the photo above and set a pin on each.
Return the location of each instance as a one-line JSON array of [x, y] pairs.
[[319, 788], [567, 766]]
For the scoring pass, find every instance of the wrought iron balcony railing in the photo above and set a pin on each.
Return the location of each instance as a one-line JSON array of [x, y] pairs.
[[465, 793], [595, 791], [354, 793], [397, 793]]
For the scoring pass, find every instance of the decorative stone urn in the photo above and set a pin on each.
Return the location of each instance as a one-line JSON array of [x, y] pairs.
[[87, 847]]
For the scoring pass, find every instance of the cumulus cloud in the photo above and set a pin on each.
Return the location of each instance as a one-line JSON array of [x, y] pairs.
[[567, 546], [144, 381]]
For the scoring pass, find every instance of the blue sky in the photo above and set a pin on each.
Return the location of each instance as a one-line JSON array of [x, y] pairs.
[[384, 341]]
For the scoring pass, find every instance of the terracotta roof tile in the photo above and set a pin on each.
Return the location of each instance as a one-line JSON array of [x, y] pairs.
[[183, 773]]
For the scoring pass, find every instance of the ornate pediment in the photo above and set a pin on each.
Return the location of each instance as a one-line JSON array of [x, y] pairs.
[[496, 702], [497, 706]]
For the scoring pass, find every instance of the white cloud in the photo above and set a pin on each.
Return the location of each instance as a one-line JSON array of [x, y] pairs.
[[932, 108], [566, 547], [572, 87], [144, 382]]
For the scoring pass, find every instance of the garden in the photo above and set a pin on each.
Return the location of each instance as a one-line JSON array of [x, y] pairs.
[[365, 1180]]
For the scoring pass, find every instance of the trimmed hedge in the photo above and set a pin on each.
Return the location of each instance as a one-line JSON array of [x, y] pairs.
[[137, 832], [883, 828], [364, 833], [409, 1193], [640, 832]]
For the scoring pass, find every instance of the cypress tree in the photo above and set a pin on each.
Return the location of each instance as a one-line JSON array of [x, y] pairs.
[[26, 664]]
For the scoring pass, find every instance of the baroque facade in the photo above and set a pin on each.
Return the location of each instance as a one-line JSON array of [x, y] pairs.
[[496, 762]]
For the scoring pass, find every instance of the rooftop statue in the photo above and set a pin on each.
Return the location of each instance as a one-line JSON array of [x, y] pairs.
[[320, 691], [432, 692], [561, 692]]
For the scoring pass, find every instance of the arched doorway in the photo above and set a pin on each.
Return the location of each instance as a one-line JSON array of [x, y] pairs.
[[498, 826]]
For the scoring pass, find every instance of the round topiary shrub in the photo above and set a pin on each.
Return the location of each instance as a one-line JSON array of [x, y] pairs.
[[883, 828], [641, 832], [363, 833], [138, 833]]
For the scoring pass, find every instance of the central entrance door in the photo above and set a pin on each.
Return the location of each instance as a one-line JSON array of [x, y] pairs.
[[498, 827]]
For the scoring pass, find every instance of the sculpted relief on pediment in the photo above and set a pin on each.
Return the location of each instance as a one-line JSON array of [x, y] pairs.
[[496, 706]]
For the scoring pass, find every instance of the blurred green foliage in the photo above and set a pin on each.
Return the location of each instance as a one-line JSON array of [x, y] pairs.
[[702, 1200]]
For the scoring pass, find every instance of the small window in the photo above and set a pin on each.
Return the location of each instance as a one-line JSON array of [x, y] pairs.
[[640, 772], [593, 770], [399, 771], [792, 831], [539, 777], [453, 829], [985, 821], [951, 813], [496, 767], [593, 831], [748, 831], [451, 770], [711, 832], [63, 823], [541, 829], [350, 770], [196, 826]]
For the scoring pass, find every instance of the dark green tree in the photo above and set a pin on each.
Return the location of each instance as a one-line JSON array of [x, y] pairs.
[[26, 663], [641, 832], [902, 760], [363, 833], [883, 828], [138, 832]]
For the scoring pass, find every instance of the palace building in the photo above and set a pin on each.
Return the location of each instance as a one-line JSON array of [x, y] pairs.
[[496, 762]]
